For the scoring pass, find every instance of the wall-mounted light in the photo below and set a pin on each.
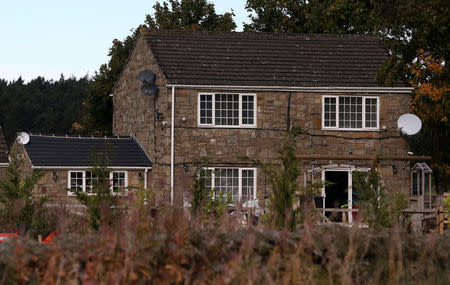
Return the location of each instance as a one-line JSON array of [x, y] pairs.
[[185, 167], [55, 176], [140, 176]]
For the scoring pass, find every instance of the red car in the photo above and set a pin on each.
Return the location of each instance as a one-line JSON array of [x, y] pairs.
[[5, 236]]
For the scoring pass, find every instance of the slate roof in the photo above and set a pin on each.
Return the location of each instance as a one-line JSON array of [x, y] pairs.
[[267, 59], [3, 148], [49, 150]]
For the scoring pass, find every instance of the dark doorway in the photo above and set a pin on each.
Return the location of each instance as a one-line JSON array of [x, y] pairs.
[[336, 195]]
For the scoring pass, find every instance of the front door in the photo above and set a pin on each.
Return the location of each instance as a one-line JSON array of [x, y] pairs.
[[338, 192]]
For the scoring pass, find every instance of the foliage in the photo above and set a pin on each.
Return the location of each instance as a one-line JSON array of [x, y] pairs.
[[379, 208], [406, 25], [204, 201], [180, 250], [189, 15], [430, 101], [41, 105], [19, 210], [284, 186], [184, 14], [290, 204], [102, 204]]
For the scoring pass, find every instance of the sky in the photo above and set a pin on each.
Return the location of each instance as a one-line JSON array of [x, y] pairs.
[[53, 37]]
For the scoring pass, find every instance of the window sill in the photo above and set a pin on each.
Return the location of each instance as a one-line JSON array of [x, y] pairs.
[[226, 127], [351, 130]]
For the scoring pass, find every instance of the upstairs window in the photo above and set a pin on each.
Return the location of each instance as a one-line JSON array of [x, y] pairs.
[[350, 113], [227, 110]]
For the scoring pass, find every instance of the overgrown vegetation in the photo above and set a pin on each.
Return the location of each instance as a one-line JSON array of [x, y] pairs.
[[379, 208], [102, 204], [173, 249], [20, 211]]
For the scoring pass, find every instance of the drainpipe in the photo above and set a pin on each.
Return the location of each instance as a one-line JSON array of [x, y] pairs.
[[172, 137], [145, 178]]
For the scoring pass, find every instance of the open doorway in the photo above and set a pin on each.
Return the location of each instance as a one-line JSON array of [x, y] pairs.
[[337, 193]]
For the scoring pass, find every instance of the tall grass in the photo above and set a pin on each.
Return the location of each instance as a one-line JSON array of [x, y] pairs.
[[173, 248]]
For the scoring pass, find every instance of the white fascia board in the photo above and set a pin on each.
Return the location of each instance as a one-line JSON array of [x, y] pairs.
[[299, 89], [4, 164], [87, 167]]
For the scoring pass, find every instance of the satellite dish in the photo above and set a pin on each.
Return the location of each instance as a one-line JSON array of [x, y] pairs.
[[409, 124], [146, 76], [149, 89], [23, 138]]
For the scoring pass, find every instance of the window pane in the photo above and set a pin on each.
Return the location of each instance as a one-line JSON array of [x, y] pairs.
[[226, 184], [205, 109], [247, 185], [76, 181], [118, 182], [371, 113], [248, 104], [91, 182], [227, 109], [330, 112], [350, 112]]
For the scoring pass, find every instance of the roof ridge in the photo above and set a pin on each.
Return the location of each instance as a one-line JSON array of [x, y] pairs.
[[147, 31], [71, 136]]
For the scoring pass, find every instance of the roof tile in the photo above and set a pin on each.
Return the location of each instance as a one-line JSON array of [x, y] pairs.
[[267, 59]]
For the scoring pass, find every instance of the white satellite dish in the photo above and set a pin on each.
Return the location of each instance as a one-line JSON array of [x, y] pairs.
[[409, 124], [23, 138]]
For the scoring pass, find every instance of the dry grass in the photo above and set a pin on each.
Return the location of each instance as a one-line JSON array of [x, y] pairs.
[[173, 249]]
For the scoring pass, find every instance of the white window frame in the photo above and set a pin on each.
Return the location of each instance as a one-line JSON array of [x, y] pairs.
[[240, 169], [240, 125], [70, 193], [364, 128], [125, 192]]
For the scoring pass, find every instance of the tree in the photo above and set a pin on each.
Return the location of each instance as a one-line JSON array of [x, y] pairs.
[[41, 105], [184, 14], [406, 25], [189, 15], [102, 204], [430, 101], [20, 211]]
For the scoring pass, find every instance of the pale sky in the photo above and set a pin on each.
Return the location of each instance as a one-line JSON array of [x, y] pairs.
[[50, 37]]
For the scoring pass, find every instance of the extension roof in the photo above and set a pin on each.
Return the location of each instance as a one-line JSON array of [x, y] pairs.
[[3, 148], [267, 59], [76, 151]]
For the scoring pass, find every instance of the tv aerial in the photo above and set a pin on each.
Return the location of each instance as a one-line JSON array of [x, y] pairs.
[[409, 124], [148, 87], [23, 138]]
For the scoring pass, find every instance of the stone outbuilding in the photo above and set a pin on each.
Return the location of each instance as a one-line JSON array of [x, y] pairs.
[[222, 96], [68, 161]]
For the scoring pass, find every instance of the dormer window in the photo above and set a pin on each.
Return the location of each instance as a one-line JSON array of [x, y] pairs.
[[350, 113], [227, 110]]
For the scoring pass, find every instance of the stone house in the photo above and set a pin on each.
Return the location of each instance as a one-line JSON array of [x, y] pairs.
[[68, 161], [228, 95], [3, 155]]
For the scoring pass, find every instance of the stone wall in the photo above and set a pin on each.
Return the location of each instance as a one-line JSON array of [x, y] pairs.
[[134, 113], [57, 190], [277, 112]]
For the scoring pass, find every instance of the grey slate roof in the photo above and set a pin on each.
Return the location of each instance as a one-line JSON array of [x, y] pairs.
[[48, 150], [3, 148], [267, 59]]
